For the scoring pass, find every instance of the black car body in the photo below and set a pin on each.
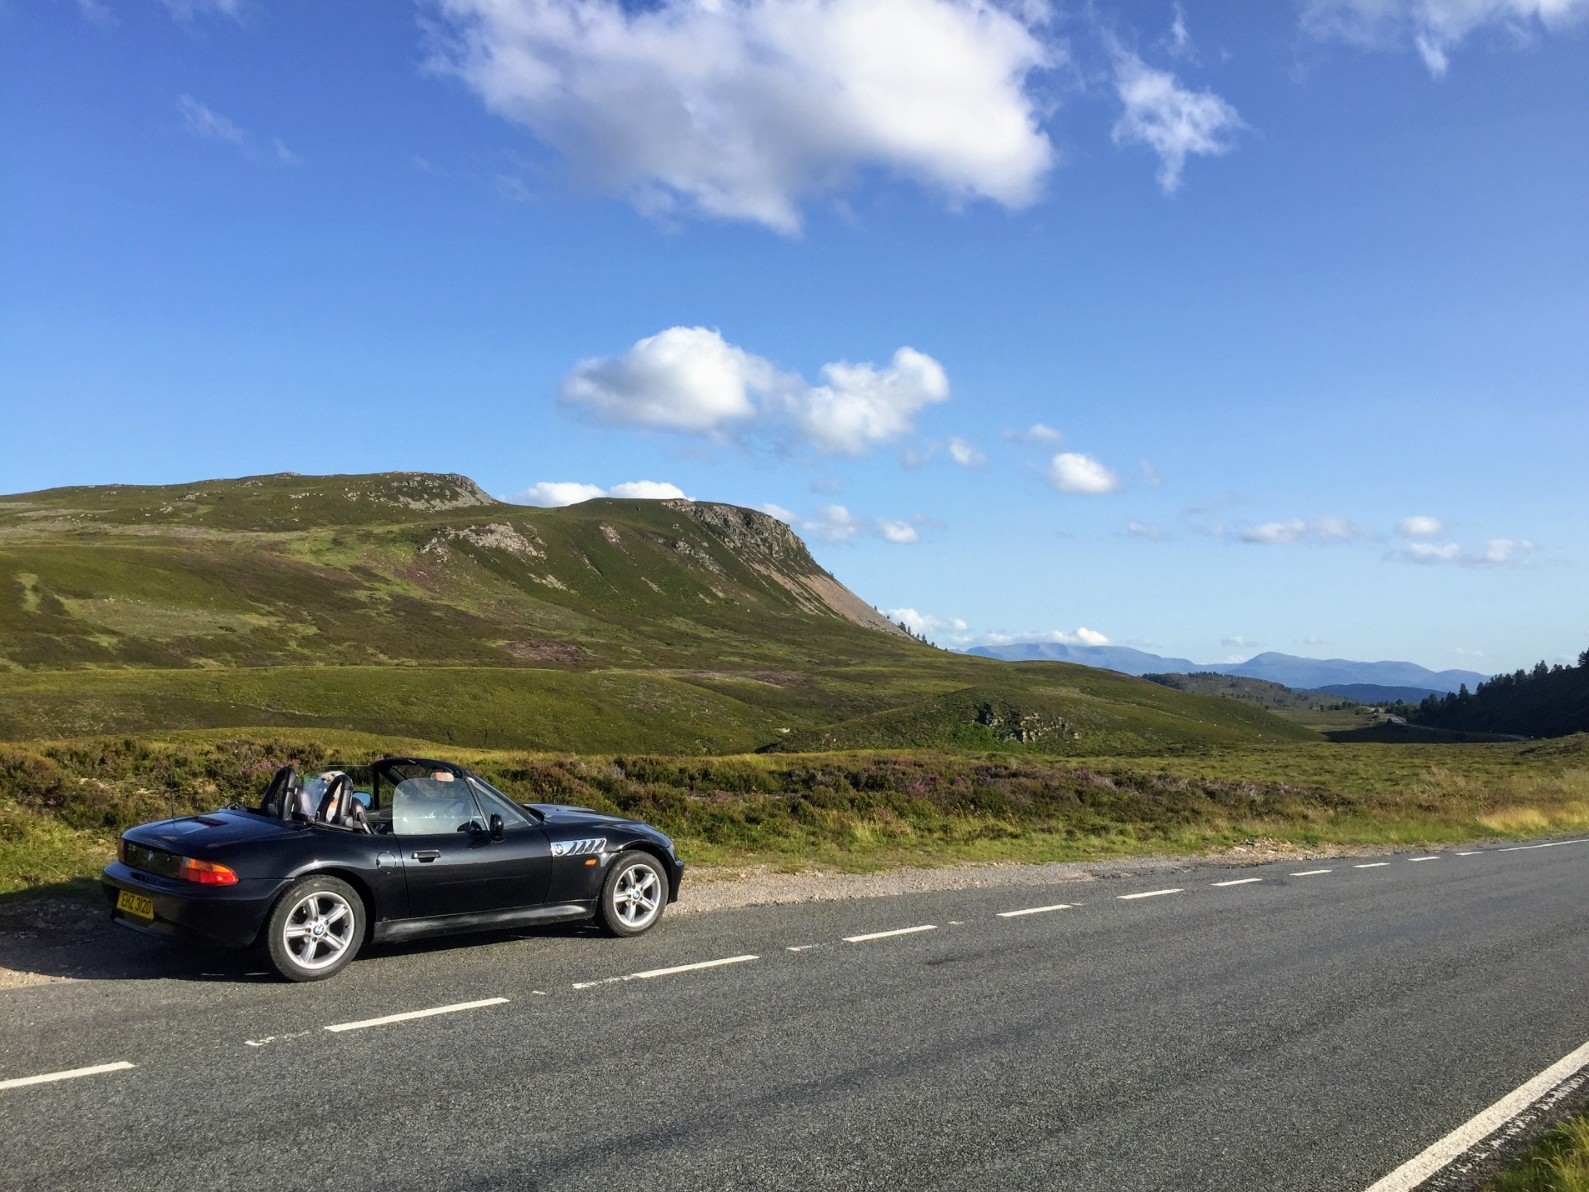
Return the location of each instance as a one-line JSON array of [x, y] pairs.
[[425, 847]]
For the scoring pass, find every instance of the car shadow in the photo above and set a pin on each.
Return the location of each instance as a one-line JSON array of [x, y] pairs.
[[65, 932]]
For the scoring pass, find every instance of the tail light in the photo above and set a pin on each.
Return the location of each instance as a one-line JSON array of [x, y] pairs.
[[206, 873]]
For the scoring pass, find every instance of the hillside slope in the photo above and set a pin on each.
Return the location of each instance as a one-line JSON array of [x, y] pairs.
[[415, 603]]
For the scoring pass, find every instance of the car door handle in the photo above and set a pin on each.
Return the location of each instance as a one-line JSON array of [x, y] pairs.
[[428, 854]]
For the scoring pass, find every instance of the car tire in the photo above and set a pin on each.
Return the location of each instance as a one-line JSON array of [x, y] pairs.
[[315, 929], [633, 896]]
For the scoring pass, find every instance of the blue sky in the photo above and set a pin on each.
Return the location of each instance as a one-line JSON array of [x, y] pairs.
[[1207, 329]]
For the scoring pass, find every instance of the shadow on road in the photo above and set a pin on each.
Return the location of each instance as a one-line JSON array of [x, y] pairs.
[[64, 932]]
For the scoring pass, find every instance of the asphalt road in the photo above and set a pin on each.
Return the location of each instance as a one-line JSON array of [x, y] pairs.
[[1298, 1032]]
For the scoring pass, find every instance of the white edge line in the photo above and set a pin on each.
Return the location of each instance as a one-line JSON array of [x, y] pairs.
[[1517, 848], [1312, 872], [1372, 865], [1149, 894], [1035, 910], [688, 968], [1240, 881], [883, 935], [1472, 854], [453, 1009], [1420, 1167], [17, 1082], [1412, 859]]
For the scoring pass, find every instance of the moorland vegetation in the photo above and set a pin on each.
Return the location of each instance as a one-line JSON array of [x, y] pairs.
[[689, 663]]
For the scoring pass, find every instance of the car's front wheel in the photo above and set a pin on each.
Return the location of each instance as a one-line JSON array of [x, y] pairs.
[[316, 928], [633, 895]]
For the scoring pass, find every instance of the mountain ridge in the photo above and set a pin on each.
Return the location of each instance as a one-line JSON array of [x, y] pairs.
[[1289, 670]]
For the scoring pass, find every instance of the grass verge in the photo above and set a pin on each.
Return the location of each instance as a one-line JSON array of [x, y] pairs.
[[1558, 1162], [63, 803]]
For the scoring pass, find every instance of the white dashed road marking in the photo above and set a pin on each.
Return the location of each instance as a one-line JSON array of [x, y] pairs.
[[1372, 865], [667, 972], [883, 935], [1241, 881], [1419, 1168], [1312, 872], [1035, 910], [1148, 894], [1423, 858], [17, 1082], [1472, 854], [431, 1013]]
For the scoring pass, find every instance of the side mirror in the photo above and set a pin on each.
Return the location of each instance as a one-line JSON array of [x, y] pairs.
[[498, 831]]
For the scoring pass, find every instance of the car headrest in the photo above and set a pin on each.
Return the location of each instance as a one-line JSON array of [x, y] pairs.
[[332, 809]]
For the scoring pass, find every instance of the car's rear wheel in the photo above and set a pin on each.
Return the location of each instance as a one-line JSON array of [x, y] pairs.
[[633, 895], [316, 928]]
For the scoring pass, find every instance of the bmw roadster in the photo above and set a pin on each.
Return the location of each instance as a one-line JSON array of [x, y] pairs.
[[403, 848]]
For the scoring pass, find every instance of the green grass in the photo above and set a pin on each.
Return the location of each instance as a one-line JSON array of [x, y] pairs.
[[1558, 1162], [63, 802]]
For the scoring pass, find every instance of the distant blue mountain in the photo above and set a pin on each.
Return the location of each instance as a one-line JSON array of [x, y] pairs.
[[1302, 674], [1374, 693]]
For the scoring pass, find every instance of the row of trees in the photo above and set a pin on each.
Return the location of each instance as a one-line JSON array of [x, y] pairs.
[[1548, 701]]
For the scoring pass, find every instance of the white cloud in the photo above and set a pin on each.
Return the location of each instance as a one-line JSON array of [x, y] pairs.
[[556, 493], [1496, 552], [1274, 532], [966, 453], [1174, 122], [1036, 433], [926, 624], [860, 405], [746, 109], [1071, 472], [1419, 526], [207, 124], [1149, 473], [647, 490], [692, 380], [1180, 37], [1145, 530], [1329, 528], [1238, 643], [186, 10], [1435, 27], [835, 523], [685, 378], [1082, 636]]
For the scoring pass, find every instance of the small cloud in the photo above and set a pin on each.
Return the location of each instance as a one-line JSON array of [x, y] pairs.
[[788, 516], [1145, 530], [1176, 123], [1072, 472], [1238, 643], [511, 189], [1180, 37], [187, 10], [425, 166], [1434, 28], [1082, 636], [966, 454], [1150, 473], [1036, 433], [96, 11], [284, 155], [1497, 552], [1319, 529], [647, 490], [835, 523], [693, 381], [827, 484], [207, 124], [898, 531], [557, 493], [1419, 526], [927, 625]]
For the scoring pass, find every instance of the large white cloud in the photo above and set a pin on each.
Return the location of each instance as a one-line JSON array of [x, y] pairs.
[[1172, 120], [692, 380], [859, 406], [1072, 472], [745, 109], [556, 493], [685, 378], [1435, 27]]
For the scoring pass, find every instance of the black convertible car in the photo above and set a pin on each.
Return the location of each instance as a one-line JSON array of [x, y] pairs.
[[403, 848]]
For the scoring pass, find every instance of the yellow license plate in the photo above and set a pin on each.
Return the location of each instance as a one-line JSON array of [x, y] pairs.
[[135, 904]]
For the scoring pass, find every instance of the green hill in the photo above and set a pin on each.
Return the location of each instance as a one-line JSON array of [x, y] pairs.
[[415, 604]]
